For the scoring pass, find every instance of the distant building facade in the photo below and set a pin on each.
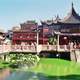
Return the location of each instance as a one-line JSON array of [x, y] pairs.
[[27, 34], [2, 37]]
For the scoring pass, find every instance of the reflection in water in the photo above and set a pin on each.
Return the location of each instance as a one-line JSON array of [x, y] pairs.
[[4, 73], [25, 75]]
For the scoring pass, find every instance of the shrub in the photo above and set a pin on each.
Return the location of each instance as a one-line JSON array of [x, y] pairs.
[[22, 60]]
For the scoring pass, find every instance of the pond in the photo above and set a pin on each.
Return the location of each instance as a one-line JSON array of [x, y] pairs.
[[19, 62], [4, 73], [7, 74]]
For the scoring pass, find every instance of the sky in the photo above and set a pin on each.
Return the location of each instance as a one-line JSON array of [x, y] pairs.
[[14, 12]]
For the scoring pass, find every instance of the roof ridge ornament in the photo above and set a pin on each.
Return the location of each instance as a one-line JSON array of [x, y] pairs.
[[72, 5], [73, 12], [72, 16], [72, 9], [57, 18]]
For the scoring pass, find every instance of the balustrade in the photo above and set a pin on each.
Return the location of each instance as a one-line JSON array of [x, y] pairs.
[[33, 48]]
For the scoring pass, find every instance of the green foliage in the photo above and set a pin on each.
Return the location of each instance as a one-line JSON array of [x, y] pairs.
[[13, 65], [3, 64], [53, 40], [22, 60]]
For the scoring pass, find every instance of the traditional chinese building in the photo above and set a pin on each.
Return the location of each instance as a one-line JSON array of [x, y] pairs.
[[68, 27], [27, 34]]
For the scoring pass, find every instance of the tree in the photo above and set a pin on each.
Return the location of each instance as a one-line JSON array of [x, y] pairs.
[[53, 40]]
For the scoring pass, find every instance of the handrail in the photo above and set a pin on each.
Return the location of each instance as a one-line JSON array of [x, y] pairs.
[[32, 48]]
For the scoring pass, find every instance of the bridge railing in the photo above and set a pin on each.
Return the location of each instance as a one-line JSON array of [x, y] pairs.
[[5, 48], [1, 48], [33, 48], [64, 47], [49, 47], [25, 48]]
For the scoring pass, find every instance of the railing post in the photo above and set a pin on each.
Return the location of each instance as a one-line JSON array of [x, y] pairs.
[[57, 42]]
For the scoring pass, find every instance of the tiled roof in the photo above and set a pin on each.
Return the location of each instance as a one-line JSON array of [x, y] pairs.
[[72, 17]]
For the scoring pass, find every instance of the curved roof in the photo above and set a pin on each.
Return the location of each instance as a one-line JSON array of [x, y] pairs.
[[48, 22], [72, 17], [57, 20]]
